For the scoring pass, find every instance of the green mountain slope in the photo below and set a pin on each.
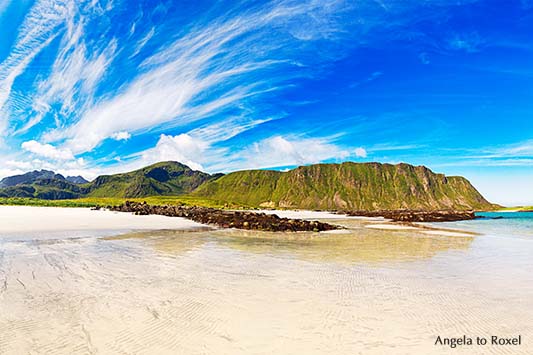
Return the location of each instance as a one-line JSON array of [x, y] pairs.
[[46, 189], [165, 178], [355, 186], [33, 176]]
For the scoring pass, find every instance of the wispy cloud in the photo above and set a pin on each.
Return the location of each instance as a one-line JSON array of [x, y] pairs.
[[272, 152], [215, 66], [469, 42], [142, 42], [375, 75], [211, 89], [36, 32], [518, 154], [3, 5], [76, 71], [281, 151]]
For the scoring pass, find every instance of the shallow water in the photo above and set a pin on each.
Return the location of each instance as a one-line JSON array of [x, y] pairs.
[[498, 224], [229, 292]]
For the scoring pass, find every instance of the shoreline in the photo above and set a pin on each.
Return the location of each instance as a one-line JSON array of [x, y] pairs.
[[50, 220], [212, 285]]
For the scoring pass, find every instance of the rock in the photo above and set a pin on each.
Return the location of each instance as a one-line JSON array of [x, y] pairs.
[[417, 215], [226, 219]]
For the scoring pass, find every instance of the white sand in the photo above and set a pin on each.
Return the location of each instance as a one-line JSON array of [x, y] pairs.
[[391, 227], [361, 222], [24, 219], [235, 292], [447, 233]]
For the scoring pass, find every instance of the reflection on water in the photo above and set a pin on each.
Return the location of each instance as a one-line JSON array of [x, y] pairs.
[[351, 246]]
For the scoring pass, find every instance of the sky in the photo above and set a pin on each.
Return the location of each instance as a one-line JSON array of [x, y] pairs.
[[96, 87]]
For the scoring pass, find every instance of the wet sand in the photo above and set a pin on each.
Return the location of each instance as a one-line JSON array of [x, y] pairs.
[[363, 291]]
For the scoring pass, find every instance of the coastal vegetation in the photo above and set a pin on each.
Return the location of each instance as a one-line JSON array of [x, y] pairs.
[[346, 186], [181, 200]]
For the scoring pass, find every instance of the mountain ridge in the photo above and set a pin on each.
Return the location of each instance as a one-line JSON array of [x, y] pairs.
[[349, 185], [344, 186]]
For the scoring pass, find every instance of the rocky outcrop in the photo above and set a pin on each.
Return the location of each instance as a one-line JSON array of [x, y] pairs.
[[417, 216], [226, 218]]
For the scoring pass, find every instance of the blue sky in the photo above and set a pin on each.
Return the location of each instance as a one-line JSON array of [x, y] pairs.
[[94, 87]]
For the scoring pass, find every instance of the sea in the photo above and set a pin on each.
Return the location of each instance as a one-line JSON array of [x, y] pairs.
[[496, 224]]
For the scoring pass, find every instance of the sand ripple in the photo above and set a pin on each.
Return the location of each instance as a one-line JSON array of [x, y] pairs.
[[212, 292]]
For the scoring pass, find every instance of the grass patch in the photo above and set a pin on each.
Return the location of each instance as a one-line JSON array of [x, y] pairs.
[[517, 208], [113, 201]]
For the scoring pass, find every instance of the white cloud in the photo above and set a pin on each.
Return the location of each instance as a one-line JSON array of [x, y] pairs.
[[10, 172], [142, 42], [36, 33], [21, 165], [271, 152], [73, 167], [74, 74], [47, 150], [121, 136], [360, 152], [280, 151], [202, 72], [182, 148], [227, 128], [76, 71], [518, 154]]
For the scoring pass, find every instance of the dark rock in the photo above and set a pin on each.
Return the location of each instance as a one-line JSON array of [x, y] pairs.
[[417, 215], [226, 219]]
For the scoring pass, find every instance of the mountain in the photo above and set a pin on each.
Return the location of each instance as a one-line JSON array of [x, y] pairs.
[[29, 178], [76, 179], [33, 176], [165, 178], [43, 184], [354, 186]]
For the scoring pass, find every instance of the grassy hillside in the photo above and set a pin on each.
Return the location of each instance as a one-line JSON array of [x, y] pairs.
[[46, 189], [166, 178], [365, 186], [161, 179]]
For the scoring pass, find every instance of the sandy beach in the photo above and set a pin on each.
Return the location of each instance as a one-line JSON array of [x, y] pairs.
[[75, 281], [42, 221]]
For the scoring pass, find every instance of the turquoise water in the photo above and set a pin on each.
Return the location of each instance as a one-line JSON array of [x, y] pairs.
[[500, 224]]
